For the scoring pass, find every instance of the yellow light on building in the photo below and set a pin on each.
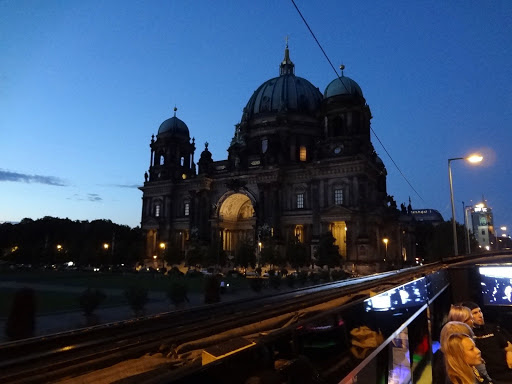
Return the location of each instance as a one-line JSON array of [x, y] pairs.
[[302, 153]]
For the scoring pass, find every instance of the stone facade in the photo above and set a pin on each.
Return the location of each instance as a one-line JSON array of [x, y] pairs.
[[300, 163]]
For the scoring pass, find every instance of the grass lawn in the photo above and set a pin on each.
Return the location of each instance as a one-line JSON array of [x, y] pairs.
[[152, 282], [48, 301], [52, 301]]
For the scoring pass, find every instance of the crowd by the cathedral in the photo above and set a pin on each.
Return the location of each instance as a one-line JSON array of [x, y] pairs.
[[472, 351]]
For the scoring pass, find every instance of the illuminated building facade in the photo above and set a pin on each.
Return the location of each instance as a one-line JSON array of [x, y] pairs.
[[482, 225], [300, 163]]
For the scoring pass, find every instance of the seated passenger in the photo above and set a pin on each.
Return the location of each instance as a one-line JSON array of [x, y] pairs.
[[438, 363], [461, 358], [494, 343], [461, 313]]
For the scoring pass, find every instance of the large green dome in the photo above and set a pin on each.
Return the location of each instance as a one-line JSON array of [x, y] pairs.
[[285, 93]]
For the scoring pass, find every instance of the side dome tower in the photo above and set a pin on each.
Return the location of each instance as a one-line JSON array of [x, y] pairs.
[[347, 119], [172, 153]]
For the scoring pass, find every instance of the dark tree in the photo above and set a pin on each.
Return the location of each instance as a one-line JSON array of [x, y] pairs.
[[435, 242], [296, 254], [173, 256], [195, 254], [215, 255], [35, 242], [327, 253], [245, 255]]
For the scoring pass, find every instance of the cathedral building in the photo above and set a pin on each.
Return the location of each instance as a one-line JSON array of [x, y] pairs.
[[300, 164]]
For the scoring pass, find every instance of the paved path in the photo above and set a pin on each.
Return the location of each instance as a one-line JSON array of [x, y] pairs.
[[65, 321]]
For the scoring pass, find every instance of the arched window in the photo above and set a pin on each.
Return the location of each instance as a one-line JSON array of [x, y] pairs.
[[187, 208], [299, 233], [302, 153], [182, 161], [161, 162], [157, 210], [264, 145]]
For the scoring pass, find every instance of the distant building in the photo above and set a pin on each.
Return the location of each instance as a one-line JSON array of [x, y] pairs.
[[431, 216], [300, 164], [480, 221]]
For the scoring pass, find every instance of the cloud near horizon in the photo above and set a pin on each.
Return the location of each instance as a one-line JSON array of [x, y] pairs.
[[26, 178], [129, 186], [94, 197]]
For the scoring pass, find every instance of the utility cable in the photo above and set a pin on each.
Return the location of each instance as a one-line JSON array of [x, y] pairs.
[[332, 66], [401, 173]]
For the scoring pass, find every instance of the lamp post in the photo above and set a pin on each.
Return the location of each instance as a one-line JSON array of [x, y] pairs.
[[471, 159], [386, 241], [466, 230], [162, 252]]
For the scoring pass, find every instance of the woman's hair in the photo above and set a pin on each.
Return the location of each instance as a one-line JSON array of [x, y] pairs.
[[459, 313], [454, 327], [457, 369]]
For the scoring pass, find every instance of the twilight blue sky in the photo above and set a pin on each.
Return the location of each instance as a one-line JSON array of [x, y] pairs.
[[84, 85]]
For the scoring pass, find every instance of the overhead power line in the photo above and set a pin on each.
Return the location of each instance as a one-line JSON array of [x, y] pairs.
[[337, 75]]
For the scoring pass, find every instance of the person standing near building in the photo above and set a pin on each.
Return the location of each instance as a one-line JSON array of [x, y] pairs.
[[495, 344]]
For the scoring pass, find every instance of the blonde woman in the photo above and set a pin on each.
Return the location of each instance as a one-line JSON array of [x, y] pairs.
[[454, 327], [461, 358], [462, 314], [438, 363]]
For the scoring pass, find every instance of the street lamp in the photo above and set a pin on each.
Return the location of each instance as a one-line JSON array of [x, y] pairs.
[[162, 251], [386, 241], [472, 159]]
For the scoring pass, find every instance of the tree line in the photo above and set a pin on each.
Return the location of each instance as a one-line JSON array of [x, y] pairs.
[[52, 240]]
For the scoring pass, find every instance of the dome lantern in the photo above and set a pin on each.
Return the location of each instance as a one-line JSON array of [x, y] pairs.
[[287, 67]]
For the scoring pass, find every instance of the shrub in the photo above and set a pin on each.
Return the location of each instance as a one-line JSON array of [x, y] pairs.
[[290, 280], [137, 298], [175, 271], [302, 277], [275, 281], [177, 293], [339, 274], [314, 277], [256, 285], [21, 320], [90, 299], [324, 276], [212, 290]]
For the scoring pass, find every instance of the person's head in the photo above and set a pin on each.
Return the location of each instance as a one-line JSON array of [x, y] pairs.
[[461, 313], [461, 354], [454, 327], [476, 312]]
